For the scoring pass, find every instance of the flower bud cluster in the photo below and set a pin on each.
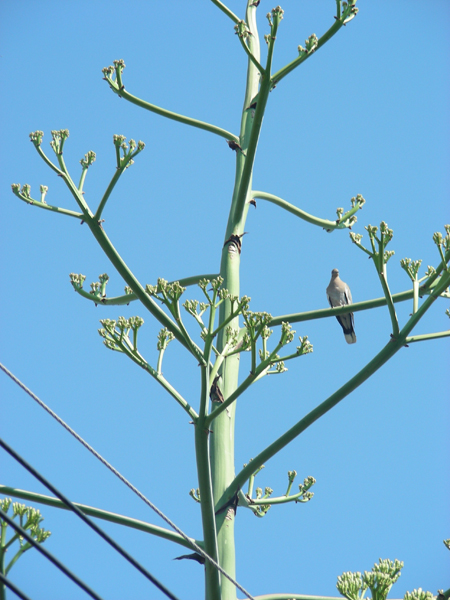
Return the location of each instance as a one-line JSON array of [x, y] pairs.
[[411, 267], [242, 30], [88, 159], [419, 594], [59, 136], [305, 346], [29, 519], [164, 338], [115, 333], [349, 585], [129, 152], [195, 494], [43, 189], [36, 137], [349, 11], [379, 580], [358, 199], [167, 293], [77, 280], [311, 45]]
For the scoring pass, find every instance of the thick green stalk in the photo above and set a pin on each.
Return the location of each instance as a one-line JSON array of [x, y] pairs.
[[222, 438], [212, 576]]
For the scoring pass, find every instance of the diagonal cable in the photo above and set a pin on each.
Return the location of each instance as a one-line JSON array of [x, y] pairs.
[[87, 520], [49, 556], [193, 545], [13, 587]]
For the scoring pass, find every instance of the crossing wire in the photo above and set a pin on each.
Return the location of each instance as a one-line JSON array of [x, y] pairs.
[[49, 556], [193, 545], [88, 521], [14, 588]]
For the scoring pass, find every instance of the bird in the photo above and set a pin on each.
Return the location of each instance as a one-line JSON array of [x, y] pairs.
[[339, 294]]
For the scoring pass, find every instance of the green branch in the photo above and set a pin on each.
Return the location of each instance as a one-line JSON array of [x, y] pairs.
[[123, 162], [380, 258], [346, 16], [343, 222], [332, 312], [130, 296], [427, 336], [100, 514], [391, 348], [103, 240], [23, 195], [226, 10], [118, 88], [116, 338], [242, 32]]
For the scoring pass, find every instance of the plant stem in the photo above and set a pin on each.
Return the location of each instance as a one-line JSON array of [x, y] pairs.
[[332, 312], [172, 115], [222, 438], [100, 514], [298, 212], [212, 576]]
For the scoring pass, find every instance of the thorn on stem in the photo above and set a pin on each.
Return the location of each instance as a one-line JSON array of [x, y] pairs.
[[235, 146], [236, 240]]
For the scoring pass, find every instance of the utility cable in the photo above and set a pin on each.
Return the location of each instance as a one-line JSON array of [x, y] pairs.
[[193, 545], [48, 555], [86, 519], [13, 587]]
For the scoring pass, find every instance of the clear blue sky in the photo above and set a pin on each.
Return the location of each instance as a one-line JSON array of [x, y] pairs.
[[369, 114]]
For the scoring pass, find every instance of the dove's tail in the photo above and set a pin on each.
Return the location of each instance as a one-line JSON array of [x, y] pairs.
[[346, 322], [350, 338]]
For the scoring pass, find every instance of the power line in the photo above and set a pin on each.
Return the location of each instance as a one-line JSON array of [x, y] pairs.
[[87, 520], [124, 480], [13, 587], [49, 556]]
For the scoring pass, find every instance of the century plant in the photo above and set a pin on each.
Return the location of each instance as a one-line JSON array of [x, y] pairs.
[[228, 327]]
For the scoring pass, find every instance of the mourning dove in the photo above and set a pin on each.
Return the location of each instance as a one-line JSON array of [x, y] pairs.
[[338, 294]]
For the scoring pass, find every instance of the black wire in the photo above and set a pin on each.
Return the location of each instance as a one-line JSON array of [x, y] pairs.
[[88, 521], [125, 481], [13, 587], [47, 554]]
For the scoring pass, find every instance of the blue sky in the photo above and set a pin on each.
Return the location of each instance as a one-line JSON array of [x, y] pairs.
[[369, 114]]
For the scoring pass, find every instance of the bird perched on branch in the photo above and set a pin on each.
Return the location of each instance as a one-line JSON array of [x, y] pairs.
[[338, 294]]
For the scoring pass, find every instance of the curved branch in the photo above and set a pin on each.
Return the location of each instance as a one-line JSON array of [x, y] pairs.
[[340, 21], [100, 514], [325, 223], [120, 91]]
